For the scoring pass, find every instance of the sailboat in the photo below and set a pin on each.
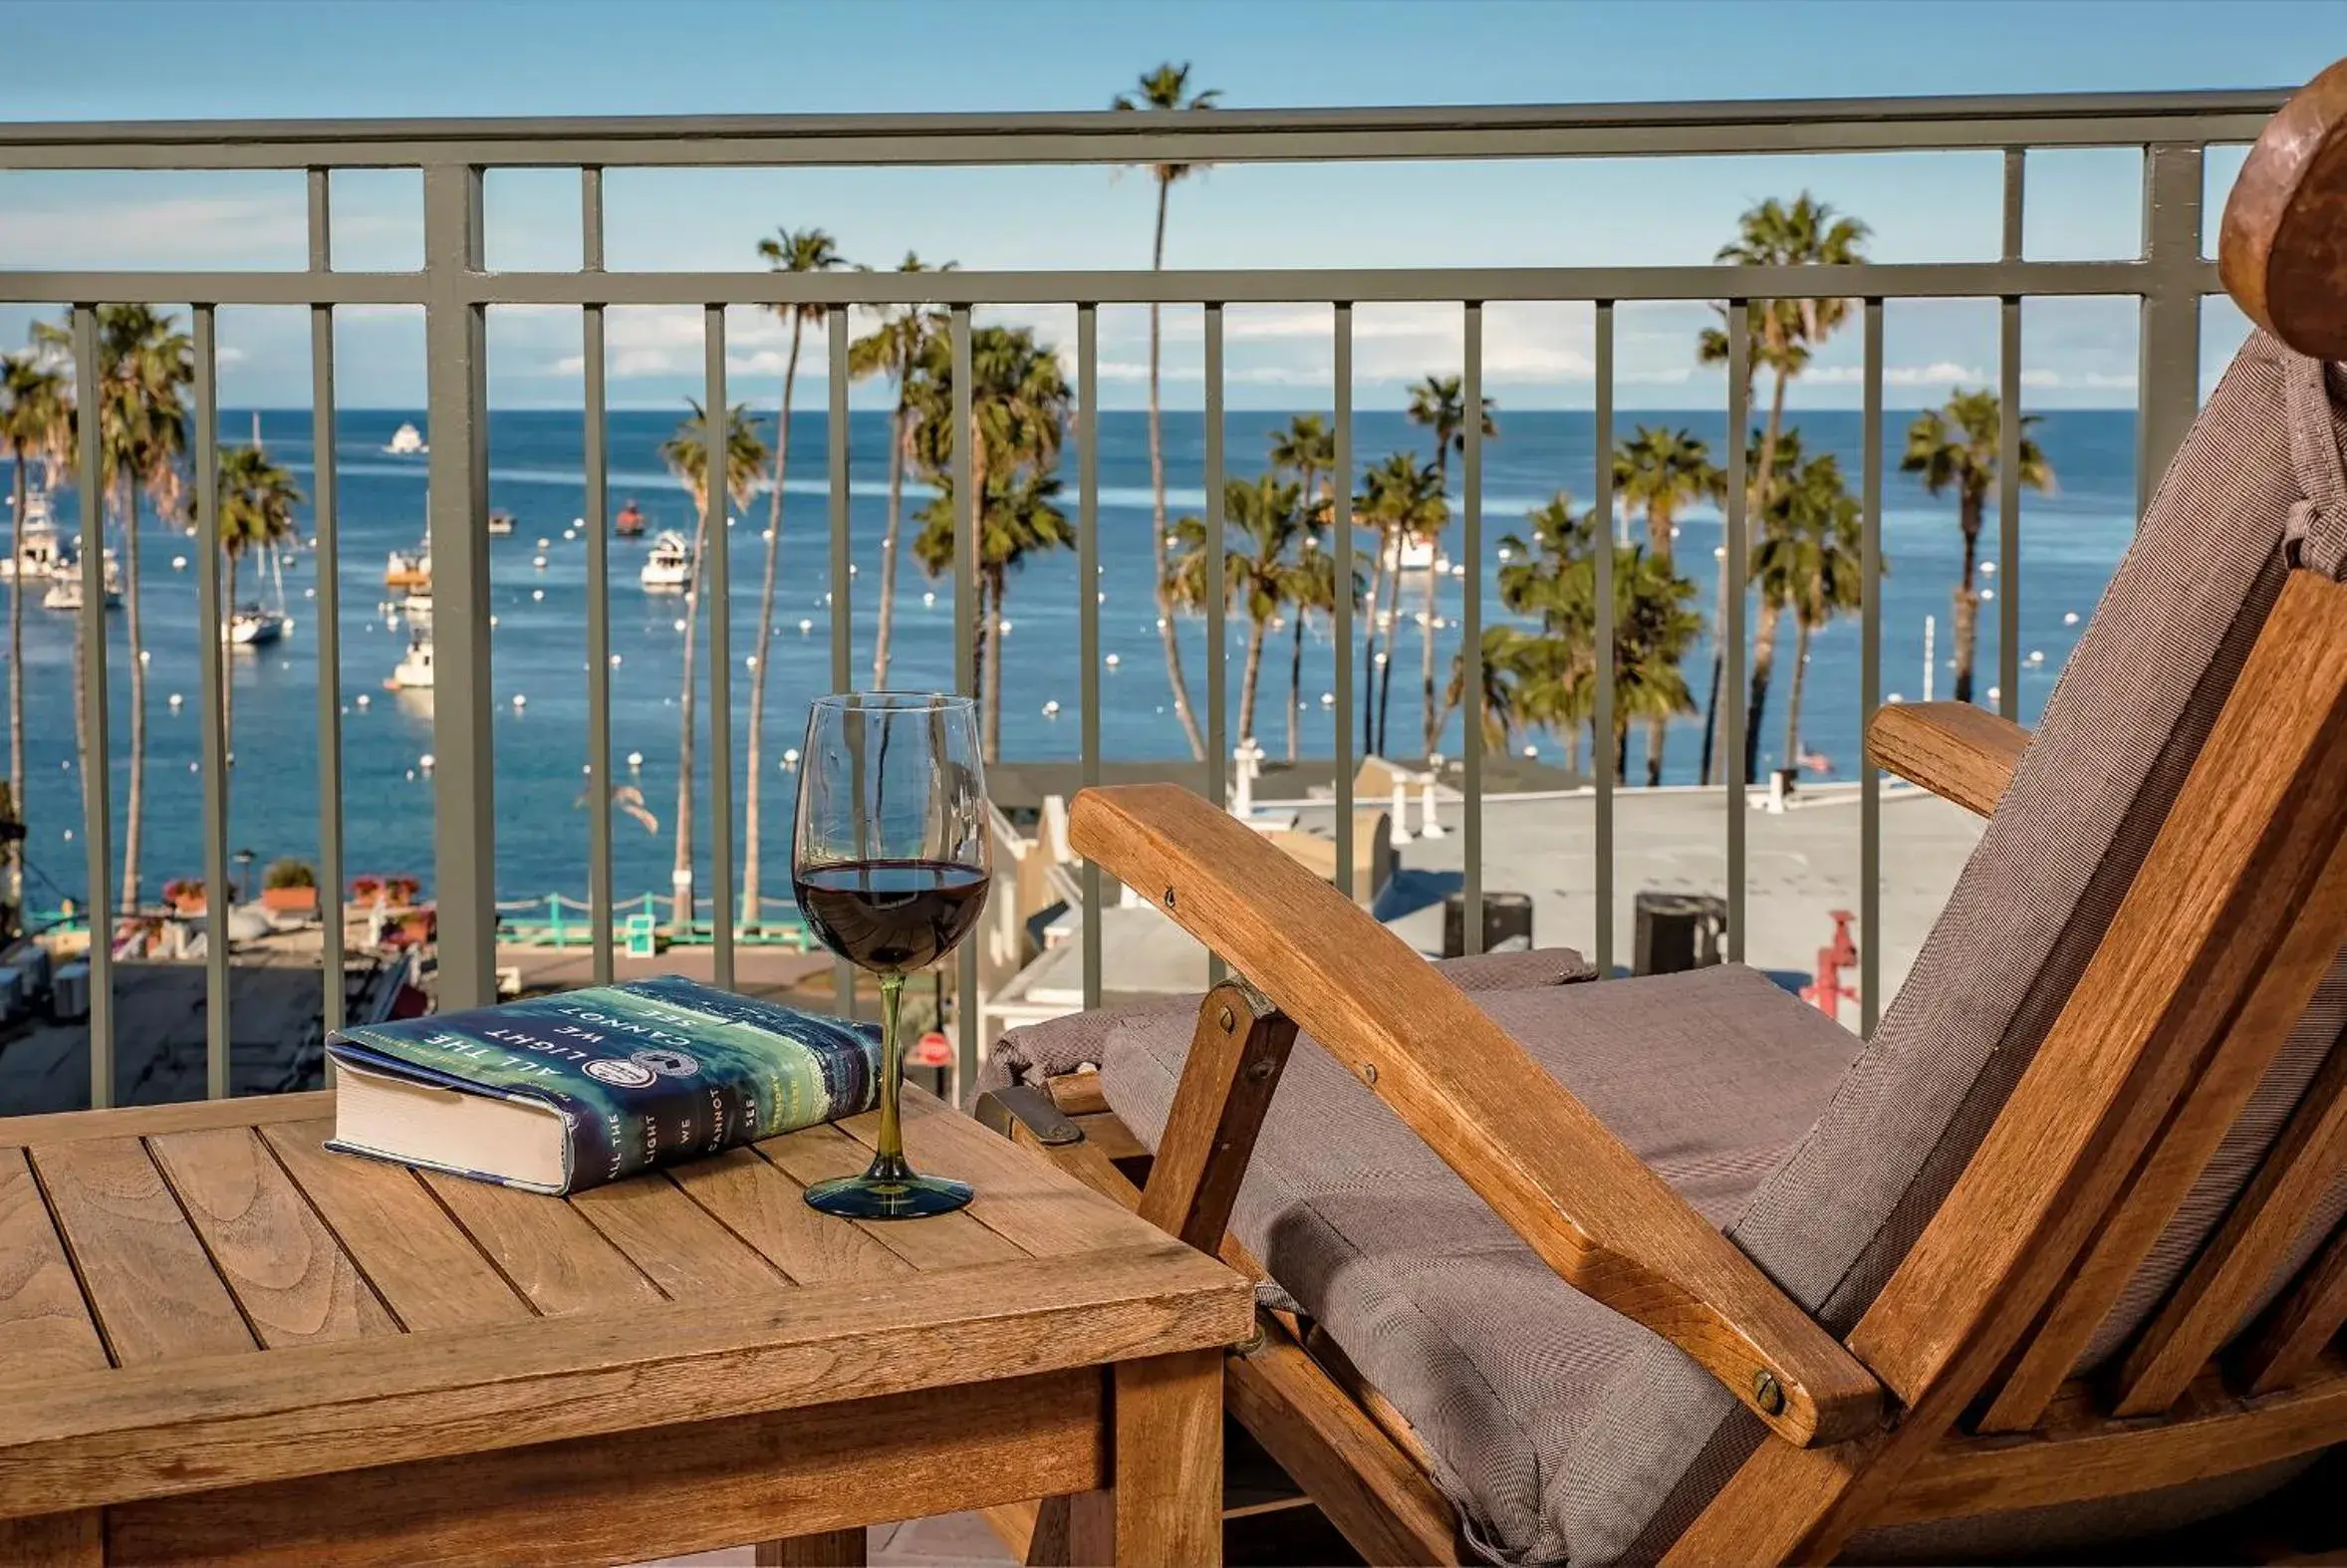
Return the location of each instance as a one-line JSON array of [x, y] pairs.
[[258, 625]]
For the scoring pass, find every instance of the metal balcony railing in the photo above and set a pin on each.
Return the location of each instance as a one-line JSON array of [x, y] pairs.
[[455, 288]]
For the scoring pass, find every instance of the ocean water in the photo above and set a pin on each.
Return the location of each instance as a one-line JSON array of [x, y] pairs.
[[2071, 541]]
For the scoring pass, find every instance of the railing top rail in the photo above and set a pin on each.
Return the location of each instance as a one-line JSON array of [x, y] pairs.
[[1106, 136]]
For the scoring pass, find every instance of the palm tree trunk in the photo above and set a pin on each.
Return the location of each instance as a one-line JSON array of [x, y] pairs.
[[680, 912], [887, 582], [1719, 665], [990, 587], [1295, 683], [1167, 631], [1369, 643], [1759, 486], [1426, 645], [1763, 666], [1793, 695], [1657, 726], [227, 672], [134, 807], [16, 646], [1393, 640], [1967, 598], [1247, 686], [761, 644]]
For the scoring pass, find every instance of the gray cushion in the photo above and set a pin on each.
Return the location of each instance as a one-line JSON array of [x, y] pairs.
[[1710, 1077], [2119, 734]]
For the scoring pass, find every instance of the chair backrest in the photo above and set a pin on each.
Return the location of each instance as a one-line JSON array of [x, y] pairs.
[[2257, 486]]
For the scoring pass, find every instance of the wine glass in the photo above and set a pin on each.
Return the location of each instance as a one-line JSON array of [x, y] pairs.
[[890, 865]]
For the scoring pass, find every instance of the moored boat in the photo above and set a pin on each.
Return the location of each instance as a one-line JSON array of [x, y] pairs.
[[35, 541], [407, 442], [414, 671], [630, 523], [502, 522], [254, 626], [410, 569], [668, 569]]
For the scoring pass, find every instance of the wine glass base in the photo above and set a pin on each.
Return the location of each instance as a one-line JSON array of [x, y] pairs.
[[908, 1196]]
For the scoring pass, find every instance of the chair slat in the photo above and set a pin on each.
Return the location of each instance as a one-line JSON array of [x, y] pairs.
[[2174, 1161], [2208, 1306], [2289, 1344]]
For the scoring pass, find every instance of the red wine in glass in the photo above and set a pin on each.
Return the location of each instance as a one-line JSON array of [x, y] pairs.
[[891, 915]]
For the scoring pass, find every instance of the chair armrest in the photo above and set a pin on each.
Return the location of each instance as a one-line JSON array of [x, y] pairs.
[[1578, 1196], [1959, 752]]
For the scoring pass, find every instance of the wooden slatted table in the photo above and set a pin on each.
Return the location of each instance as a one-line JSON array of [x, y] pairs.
[[220, 1342]]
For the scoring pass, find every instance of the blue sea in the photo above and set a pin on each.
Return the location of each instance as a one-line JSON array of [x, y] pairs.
[[2071, 540]]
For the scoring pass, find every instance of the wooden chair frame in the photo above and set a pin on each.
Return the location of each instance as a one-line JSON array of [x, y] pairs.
[[1952, 1397]]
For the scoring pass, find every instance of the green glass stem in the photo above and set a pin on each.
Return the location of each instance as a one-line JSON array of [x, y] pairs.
[[889, 1162]]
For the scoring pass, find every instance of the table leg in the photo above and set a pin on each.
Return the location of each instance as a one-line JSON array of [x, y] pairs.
[[54, 1540], [1165, 1506], [831, 1549]]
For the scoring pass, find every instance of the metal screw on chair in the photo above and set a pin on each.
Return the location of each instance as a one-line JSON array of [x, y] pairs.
[[1225, 1020], [1369, 1073], [1169, 898], [1767, 1393]]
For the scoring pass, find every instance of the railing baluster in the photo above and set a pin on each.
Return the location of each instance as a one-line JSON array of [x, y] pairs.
[[843, 598], [1731, 694], [718, 571], [1870, 681], [1088, 606], [965, 670], [97, 761], [2008, 453], [1218, 587], [599, 600], [1341, 631], [464, 804], [213, 689], [2167, 389], [1601, 953], [326, 526], [1470, 633]]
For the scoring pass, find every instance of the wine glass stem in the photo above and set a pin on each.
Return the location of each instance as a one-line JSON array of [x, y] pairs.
[[889, 1160]]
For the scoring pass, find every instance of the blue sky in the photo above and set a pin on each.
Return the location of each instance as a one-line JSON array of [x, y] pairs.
[[440, 57]]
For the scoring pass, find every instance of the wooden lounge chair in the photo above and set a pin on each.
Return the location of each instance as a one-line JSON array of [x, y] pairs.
[[1673, 1268]]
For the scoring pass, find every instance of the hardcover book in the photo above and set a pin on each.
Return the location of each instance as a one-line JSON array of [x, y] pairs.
[[558, 1093]]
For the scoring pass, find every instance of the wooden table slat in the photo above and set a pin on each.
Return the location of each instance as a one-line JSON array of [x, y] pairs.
[[1028, 1202], [45, 1326], [545, 1246], [140, 1120], [768, 1210], [155, 1291], [419, 1260], [674, 1241], [285, 1268], [817, 1153]]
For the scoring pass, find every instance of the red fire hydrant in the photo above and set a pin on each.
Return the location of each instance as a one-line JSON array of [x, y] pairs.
[[1826, 993]]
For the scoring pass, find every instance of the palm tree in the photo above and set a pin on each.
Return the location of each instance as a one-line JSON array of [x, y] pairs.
[[1808, 561], [1307, 448], [1400, 498], [144, 365], [787, 250], [36, 427], [257, 501], [1166, 90], [1785, 334], [1271, 521], [1956, 448], [687, 455], [1438, 402], [1660, 471], [1019, 402], [894, 350]]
